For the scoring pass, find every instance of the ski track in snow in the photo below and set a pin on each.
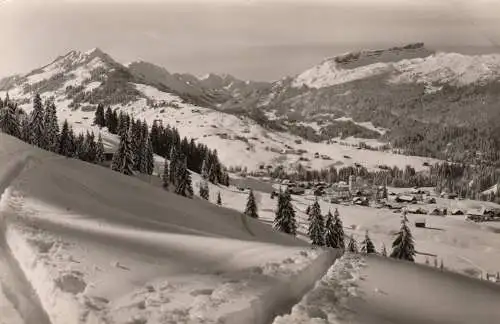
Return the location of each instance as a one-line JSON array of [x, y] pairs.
[[16, 288]]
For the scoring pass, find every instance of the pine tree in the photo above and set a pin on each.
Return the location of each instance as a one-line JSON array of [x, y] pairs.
[[99, 153], [284, 220], [147, 158], [204, 190], [205, 168], [65, 145], [123, 159], [173, 165], [184, 186], [403, 247], [384, 250], [367, 245], [25, 129], [353, 245], [334, 231], [251, 207], [166, 175], [441, 265], [37, 132], [51, 128], [99, 118], [219, 199], [9, 122], [316, 231]]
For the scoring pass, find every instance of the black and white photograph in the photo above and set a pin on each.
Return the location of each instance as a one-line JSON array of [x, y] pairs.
[[249, 161]]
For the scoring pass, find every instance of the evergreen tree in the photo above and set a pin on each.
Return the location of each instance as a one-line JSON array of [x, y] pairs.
[[147, 157], [367, 245], [51, 128], [251, 207], [183, 184], [435, 263], [284, 220], [37, 132], [403, 247], [166, 174], [123, 159], [205, 168], [383, 250], [219, 199], [25, 129], [108, 119], [441, 265], [204, 190], [99, 153], [99, 118], [173, 165], [65, 141], [353, 245], [9, 122], [334, 231], [316, 229]]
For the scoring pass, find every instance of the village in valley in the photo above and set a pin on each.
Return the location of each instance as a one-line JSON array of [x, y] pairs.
[[427, 210]]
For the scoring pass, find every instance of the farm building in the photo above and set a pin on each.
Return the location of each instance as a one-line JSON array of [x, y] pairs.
[[406, 199], [420, 223], [457, 211]]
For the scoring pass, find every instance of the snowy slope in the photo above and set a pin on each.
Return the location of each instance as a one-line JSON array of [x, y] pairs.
[[376, 290], [99, 247]]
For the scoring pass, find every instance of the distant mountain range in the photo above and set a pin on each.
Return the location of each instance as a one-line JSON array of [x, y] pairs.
[[445, 105]]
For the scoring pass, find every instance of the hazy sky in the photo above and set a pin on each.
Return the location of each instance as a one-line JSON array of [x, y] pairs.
[[261, 40]]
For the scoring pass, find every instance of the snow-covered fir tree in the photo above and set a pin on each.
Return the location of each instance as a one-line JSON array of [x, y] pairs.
[[219, 199], [204, 190], [383, 250], [25, 129], [147, 157], [367, 245], [205, 168], [99, 153], [166, 174], [403, 247], [352, 246], [316, 231], [284, 220], [51, 127], [9, 122], [37, 132], [334, 231], [251, 207], [173, 165], [123, 159], [65, 141], [184, 186], [99, 118], [78, 149]]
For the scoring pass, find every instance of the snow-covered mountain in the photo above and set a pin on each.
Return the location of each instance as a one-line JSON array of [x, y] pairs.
[[78, 81], [407, 93]]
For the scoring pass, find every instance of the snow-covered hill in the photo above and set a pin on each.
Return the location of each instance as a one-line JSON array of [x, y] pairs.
[[83, 244], [79, 81]]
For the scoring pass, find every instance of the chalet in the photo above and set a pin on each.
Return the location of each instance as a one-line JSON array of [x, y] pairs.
[[316, 155], [448, 195], [457, 211], [420, 223], [297, 191], [478, 215], [416, 210], [361, 201], [406, 199], [430, 200], [436, 212]]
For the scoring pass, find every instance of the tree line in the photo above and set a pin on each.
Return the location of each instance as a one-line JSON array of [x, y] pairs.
[[137, 146]]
